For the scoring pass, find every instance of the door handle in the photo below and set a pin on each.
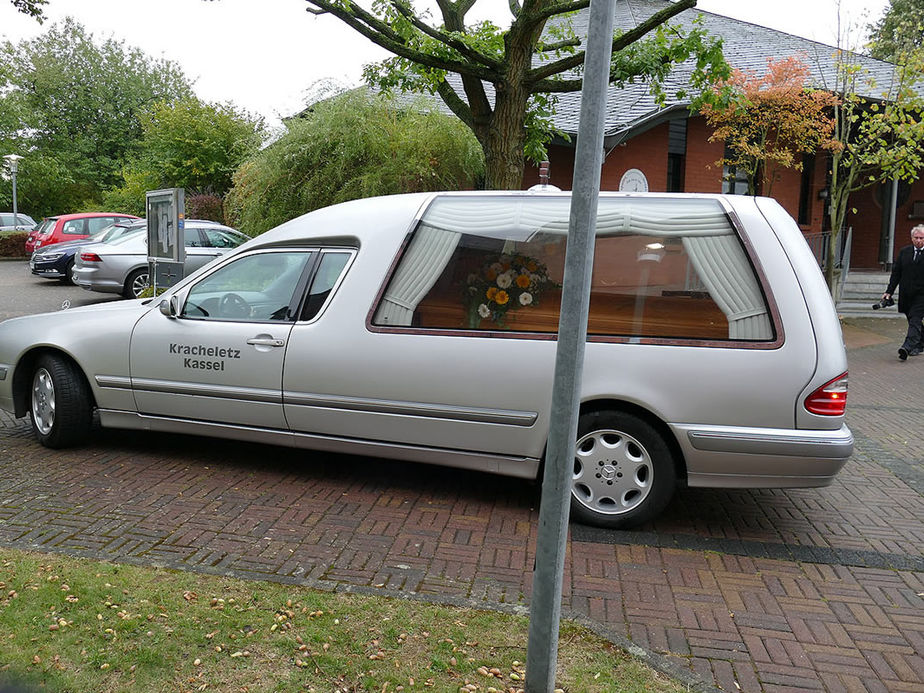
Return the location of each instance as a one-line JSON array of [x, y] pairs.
[[266, 341]]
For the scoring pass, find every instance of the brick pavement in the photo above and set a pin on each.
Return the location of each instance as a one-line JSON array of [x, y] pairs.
[[766, 590]]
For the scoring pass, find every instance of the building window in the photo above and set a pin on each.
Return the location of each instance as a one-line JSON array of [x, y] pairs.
[[676, 154], [734, 180]]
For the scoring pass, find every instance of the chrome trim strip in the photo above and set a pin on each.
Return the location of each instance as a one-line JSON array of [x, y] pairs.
[[505, 417], [767, 441], [3, 371], [115, 381], [172, 387], [505, 465]]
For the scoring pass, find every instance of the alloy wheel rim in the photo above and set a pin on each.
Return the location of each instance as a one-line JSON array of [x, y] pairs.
[[43, 401], [139, 284], [613, 472]]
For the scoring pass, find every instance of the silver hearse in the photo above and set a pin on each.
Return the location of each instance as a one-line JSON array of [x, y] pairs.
[[422, 327]]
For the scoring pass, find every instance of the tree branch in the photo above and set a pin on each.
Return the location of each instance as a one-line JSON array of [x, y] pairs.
[[382, 35], [564, 43], [444, 38], [619, 42], [455, 103]]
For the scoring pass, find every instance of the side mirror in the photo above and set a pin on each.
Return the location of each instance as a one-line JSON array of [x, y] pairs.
[[169, 307]]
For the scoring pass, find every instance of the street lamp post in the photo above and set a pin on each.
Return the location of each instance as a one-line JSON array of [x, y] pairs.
[[14, 166]]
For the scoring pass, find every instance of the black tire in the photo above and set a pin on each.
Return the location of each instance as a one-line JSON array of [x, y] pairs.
[[137, 281], [60, 404], [68, 277], [624, 472]]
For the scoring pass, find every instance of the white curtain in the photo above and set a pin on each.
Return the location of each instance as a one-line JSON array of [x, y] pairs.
[[421, 266]]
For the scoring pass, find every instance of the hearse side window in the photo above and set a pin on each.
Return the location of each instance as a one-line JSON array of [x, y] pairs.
[[253, 288], [325, 279], [663, 268]]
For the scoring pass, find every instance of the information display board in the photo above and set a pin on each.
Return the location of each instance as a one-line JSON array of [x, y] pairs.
[[165, 215]]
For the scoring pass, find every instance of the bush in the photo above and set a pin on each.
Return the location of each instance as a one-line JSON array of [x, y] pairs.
[[13, 244], [352, 146], [205, 207]]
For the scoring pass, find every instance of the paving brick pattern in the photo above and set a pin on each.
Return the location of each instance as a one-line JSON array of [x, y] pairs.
[[798, 590]]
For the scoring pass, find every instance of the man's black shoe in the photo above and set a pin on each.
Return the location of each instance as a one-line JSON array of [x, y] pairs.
[[902, 354]]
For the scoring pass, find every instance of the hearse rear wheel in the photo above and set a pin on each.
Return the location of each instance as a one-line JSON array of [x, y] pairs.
[[59, 403], [623, 471]]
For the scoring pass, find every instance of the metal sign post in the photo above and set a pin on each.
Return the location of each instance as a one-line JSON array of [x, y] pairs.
[[166, 210], [545, 606]]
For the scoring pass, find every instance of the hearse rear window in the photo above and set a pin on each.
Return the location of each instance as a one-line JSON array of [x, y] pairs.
[[663, 268]]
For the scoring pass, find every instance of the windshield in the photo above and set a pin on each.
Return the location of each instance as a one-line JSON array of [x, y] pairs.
[[46, 226], [111, 233]]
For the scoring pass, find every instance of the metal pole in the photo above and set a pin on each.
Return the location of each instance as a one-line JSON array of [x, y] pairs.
[[15, 208], [545, 607], [892, 209]]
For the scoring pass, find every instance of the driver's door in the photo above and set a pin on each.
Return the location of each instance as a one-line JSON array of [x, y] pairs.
[[219, 359]]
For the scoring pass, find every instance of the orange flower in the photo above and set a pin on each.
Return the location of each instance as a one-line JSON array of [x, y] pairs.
[[490, 274], [501, 297], [532, 266], [523, 281], [491, 293]]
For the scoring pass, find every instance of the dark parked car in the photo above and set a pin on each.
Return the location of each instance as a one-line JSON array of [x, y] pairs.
[[57, 261]]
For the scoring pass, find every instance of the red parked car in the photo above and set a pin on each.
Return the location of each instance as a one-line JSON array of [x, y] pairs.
[[70, 227]]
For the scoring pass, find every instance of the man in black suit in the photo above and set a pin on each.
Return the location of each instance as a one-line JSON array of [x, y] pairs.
[[908, 276]]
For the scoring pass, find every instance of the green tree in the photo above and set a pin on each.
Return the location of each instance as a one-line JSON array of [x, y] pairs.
[[33, 8], [188, 144], [79, 102], [899, 30], [880, 140], [347, 147], [772, 120], [537, 58]]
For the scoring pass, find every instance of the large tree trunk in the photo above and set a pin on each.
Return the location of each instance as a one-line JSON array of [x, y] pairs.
[[504, 136], [503, 143]]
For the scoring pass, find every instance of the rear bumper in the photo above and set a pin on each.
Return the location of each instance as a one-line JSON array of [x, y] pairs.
[[725, 456]]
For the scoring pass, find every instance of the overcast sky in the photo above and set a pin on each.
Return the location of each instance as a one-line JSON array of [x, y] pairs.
[[267, 56]]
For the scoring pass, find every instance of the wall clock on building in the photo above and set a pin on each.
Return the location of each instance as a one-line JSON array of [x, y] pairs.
[[633, 180]]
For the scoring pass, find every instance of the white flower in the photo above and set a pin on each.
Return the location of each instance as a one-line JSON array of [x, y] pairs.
[[484, 311], [505, 280], [534, 279], [472, 278], [497, 267], [526, 298]]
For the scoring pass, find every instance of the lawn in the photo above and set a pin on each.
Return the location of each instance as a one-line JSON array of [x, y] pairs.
[[69, 624]]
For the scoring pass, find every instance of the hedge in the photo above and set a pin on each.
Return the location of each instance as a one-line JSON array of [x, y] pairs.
[[13, 244]]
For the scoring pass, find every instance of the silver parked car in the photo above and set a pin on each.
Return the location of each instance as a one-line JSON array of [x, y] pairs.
[[422, 328], [17, 222], [121, 266]]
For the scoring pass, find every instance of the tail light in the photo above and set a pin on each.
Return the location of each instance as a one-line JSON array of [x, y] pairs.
[[830, 399], [90, 257]]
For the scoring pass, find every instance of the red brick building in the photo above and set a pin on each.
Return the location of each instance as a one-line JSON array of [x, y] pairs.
[[668, 149]]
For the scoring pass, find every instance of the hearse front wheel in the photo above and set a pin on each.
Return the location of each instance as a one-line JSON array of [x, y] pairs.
[[623, 471], [60, 404]]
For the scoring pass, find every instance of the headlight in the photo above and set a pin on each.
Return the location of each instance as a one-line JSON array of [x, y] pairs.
[[48, 258]]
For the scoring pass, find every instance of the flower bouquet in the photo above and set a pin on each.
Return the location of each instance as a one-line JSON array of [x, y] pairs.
[[512, 282]]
